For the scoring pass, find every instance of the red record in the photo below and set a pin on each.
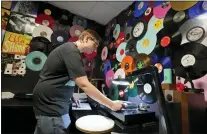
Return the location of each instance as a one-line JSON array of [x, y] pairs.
[[45, 20], [90, 55], [128, 64], [73, 39], [120, 39], [148, 14], [76, 30]]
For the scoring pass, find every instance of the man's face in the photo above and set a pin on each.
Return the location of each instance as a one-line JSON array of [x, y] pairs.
[[90, 46]]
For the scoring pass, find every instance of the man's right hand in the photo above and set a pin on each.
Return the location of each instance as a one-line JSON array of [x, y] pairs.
[[116, 105]]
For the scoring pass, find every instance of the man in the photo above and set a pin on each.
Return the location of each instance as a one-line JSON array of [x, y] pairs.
[[52, 97]]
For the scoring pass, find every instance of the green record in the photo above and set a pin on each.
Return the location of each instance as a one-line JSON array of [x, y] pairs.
[[113, 92]]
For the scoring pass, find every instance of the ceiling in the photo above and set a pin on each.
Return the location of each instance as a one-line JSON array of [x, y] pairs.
[[99, 11]]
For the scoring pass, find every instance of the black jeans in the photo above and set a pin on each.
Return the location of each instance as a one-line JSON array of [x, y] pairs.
[[52, 125]]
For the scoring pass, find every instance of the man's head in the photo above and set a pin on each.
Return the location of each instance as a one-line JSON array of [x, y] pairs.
[[89, 40]]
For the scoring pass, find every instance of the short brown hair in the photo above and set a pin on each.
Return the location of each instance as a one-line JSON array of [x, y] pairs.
[[91, 34]]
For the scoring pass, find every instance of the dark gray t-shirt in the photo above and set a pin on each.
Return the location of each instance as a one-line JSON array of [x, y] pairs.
[[51, 96]]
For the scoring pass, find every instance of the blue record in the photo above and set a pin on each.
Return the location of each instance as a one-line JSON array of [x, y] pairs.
[[199, 8], [147, 44], [35, 60], [116, 31], [78, 20], [158, 3], [140, 8], [107, 67], [161, 63]]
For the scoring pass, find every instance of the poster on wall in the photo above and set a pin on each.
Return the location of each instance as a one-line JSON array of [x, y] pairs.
[[6, 4], [25, 7], [21, 24], [4, 18], [16, 43]]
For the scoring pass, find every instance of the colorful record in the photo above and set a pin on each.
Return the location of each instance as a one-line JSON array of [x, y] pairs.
[[140, 8], [109, 78], [130, 49], [113, 92], [90, 55], [128, 64], [146, 89], [119, 74], [120, 51], [42, 31], [147, 43], [78, 20], [73, 39], [41, 44], [76, 30], [104, 53], [59, 37], [142, 61], [65, 17], [45, 20], [155, 24], [116, 31], [133, 91], [89, 64], [199, 8], [35, 60], [194, 30], [148, 14], [161, 10], [127, 34], [120, 39], [182, 5], [107, 67], [139, 30], [161, 63]]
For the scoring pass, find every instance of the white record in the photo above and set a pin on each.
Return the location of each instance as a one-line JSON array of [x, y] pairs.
[[119, 74], [42, 31], [104, 53]]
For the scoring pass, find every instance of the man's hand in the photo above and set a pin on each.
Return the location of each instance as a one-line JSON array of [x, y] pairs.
[[117, 105], [76, 101]]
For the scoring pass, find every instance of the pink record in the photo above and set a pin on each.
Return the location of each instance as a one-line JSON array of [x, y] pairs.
[[45, 20], [76, 30], [104, 53], [109, 78], [73, 39], [161, 10]]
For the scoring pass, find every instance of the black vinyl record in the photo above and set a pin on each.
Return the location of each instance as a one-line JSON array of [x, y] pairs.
[[139, 29], [59, 37], [174, 19], [41, 44], [66, 18], [59, 27], [130, 49], [146, 88], [192, 58]]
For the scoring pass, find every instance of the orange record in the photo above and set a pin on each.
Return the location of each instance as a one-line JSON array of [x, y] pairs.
[[120, 39], [128, 64]]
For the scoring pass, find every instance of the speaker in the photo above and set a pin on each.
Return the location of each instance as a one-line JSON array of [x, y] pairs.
[[169, 95], [172, 95]]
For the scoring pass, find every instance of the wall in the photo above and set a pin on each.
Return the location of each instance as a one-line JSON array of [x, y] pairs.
[[21, 18]]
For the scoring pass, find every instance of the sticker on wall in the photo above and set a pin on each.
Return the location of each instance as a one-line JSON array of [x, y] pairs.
[[116, 31], [161, 10], [155, 24], [140, 8]]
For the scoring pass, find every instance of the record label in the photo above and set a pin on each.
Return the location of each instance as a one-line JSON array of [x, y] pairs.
[[147, 88], [116, 31], [104, 53], [195, 34], [128, 64], [59, 37], [76, 30], [42, 31], [139, 30], [155, 24], [179, 16], [165, 41], [188, 60], [120, 51]]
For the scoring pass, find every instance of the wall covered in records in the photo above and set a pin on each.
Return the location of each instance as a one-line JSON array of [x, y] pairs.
[[169, 35], [30, 31]]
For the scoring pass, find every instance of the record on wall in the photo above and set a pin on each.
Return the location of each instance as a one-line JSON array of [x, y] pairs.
[[45, 20], [147, 14], [127, 34], [110, 26], [59, 37], [78, 20], [128, 64], [199, 8], [125, 15], [130, 49], [182, 5], [139, 30], [104, 53], [65, 17], [116, 31], [119, 74], [140, 8], [161, 10], [120, 51], [109, 78], [120, 39], [59, 27], [42, 31], [155, 24], [76, 30]]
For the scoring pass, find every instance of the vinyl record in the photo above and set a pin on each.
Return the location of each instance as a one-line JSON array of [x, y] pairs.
[[199, 8], [194, 30], [128, 64], [182, 5], [140, 8], [161, 63], [45, 20], [59, 27], [155, 24], [120, 39], [48, 9], [35, 60], [127, 34], [133, 91], [142, 61], [59, 37], [109, 78], [191, 54], [89, 64], [113, 92], [65, 17], [125, 15], [41, 44], [107, 67], [120, 51], [161, 10], [130, 49], [104, 53], [73, 39], [119, 74], [76, 30], [116, 31], [147, 44], [110, 26], [42, 31], [146, 89], [174, 19], [78, 20], [139, 30], [148, 14], [90, 55]]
